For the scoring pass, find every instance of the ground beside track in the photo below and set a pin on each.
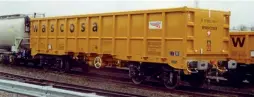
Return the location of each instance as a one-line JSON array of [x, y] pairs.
[[9, 94], [93, 83]]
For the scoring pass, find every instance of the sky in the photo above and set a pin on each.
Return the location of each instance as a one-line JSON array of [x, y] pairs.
[[241, 10]]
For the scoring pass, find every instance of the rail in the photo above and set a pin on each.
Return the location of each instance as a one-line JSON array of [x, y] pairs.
[[39, 91]]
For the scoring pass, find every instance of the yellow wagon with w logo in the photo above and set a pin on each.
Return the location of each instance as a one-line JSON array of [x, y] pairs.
[[242, 50], [241, 47]]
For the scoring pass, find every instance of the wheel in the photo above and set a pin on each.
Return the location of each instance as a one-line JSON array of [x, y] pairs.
[[64, 65], [1, 58], [137, 80], [171, 79], [84, 64], [44, 65], [135, 74], [43, 62], [12, 60]]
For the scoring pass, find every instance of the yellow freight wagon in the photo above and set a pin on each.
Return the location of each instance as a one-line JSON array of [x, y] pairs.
[[241, 46], [242, 50], [161, 42]]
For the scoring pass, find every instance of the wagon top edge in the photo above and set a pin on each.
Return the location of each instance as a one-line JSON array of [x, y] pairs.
[[242, 33], [13, 16], [178, 9]]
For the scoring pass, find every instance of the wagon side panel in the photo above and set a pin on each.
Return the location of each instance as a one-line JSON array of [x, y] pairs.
[[51, 45], [82, 34], [107, 34], [61, 36], [34, 37], [121, 35], [43, 36], [174, 38]]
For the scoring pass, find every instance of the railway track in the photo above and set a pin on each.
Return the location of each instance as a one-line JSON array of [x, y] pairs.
[[209, 88], [212, 87], [88, 89], [117, 79], [65, 86]]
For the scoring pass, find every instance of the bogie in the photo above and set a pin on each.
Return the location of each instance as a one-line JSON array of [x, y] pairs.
[[170, 77], [63, 64], [135, 73]]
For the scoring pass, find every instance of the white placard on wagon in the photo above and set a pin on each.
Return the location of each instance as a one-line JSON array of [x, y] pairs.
[[155, 24]]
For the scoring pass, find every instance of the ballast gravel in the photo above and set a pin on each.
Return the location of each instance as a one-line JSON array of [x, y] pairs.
[[93, 83]]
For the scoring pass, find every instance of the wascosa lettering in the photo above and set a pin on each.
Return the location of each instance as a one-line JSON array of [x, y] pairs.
[[237, 41], [35, 28]]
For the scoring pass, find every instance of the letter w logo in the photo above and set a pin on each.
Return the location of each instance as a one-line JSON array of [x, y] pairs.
[[238, 41]]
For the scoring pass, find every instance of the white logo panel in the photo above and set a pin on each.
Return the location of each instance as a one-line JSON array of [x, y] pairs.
[[155, 25]]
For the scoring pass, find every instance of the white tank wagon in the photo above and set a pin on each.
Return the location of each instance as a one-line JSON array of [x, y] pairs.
[[14, 35], [13, 28]]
